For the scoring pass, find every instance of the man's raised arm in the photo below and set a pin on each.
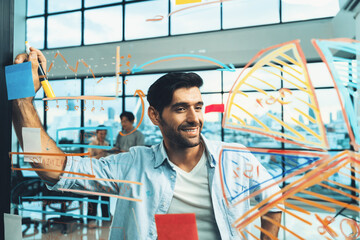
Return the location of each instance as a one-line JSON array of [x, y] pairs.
[[270, 223], [25, 115]]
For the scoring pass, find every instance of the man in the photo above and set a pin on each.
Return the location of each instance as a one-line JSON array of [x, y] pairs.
[[179, 175], [128, 137], [99, 141], [97, 153]]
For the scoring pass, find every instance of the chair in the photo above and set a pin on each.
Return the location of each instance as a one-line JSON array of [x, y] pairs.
[[65, 207], [30, 189], [25, 187]]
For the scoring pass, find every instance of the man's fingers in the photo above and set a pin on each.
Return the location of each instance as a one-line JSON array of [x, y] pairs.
[[34, 60], [40, 57], [21, 58]]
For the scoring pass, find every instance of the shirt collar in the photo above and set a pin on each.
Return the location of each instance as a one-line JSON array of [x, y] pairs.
[[210, 150], [125, 132], [161, 155]]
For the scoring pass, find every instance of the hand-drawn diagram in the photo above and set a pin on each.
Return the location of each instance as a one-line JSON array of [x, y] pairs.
[[319, 174], [117, 69], [74, 70], [117, 73], [310, 179], [284, 63], [290, 163], [340, 57]]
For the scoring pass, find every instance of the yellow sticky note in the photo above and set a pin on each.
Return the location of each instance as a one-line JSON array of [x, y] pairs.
[[179, 2]]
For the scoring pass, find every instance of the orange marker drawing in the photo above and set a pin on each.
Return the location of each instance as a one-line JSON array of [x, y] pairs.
[[141, 95], [156, 18]]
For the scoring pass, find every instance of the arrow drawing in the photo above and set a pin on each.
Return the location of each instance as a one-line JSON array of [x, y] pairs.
[[141, 95], [223, 67]]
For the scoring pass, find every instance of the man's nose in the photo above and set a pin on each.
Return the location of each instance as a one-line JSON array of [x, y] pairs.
[[192, 116]]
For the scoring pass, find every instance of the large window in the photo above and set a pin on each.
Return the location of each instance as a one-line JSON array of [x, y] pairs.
[[69, 23], [103, 25], [140, 19], [215, 90], [53, 23], [248, 13], [295, 10]]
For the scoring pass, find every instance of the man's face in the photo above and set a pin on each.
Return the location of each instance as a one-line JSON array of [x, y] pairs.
[[126, 124], [101, 135], [181, 122]]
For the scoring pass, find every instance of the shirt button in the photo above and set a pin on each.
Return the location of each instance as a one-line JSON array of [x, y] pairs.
[[172, 177]]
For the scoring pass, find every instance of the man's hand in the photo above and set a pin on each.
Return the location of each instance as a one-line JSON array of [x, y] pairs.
[[25, 115], [270, 223], [34, 57], [101, 154]]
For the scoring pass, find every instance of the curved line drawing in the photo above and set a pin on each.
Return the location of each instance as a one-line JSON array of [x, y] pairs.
[[156, 18], [223, 67], [141, 95]]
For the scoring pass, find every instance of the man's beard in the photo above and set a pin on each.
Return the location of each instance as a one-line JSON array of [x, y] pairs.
[[177, 139]]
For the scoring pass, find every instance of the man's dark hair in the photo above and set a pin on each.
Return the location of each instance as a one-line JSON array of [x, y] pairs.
[[97, 130], [128, 115], [161, 91]]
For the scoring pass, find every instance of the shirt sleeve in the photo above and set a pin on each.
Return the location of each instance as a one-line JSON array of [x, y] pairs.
[[78, 170], [263, 184]]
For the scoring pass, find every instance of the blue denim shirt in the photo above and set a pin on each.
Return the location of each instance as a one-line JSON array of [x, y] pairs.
[[149, 166]]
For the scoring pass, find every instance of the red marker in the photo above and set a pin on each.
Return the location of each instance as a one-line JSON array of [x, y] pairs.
[[214, 108]]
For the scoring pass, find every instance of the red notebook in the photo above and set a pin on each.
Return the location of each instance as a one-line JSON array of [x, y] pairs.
[[176, 226]]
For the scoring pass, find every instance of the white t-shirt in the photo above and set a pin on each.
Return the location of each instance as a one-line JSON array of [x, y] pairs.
[[192, 195]]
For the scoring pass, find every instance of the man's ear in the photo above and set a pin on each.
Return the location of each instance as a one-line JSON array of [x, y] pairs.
[[154, 115]]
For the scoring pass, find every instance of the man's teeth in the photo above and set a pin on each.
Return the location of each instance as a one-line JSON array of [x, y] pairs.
[[190, 130]]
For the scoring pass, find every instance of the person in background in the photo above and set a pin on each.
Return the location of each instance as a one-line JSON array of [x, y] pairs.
[[97, 153], [125, 140]]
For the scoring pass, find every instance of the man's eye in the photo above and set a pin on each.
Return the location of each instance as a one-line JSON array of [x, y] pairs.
[[180, 109], [198, 108]]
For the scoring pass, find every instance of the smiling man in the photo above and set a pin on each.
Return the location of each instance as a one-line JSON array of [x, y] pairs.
[[179, 175]]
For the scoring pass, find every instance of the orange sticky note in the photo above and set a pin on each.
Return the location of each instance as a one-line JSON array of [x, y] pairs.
[[176, 226], [179, 2]]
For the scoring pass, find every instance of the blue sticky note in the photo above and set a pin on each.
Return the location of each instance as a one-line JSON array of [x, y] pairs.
[[19, 81]]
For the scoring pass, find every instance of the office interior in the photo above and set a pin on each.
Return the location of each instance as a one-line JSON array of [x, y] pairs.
[[84, 42]]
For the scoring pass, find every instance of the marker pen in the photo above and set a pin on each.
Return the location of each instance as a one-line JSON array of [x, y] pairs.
[[42, 76]]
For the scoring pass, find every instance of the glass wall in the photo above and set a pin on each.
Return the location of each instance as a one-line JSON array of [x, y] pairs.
[[94, 22], [216, 90]]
